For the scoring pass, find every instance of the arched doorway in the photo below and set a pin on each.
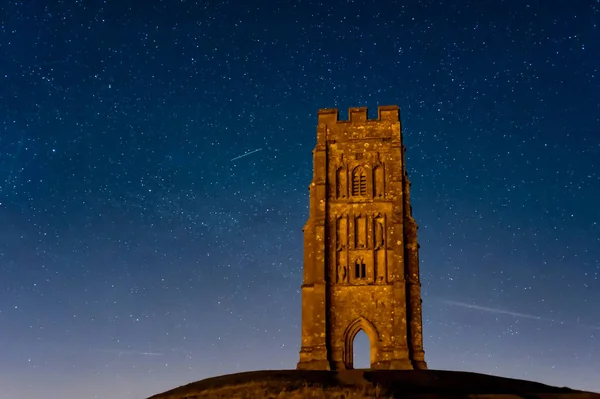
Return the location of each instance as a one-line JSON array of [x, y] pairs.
[[361, 347], [372, 336]]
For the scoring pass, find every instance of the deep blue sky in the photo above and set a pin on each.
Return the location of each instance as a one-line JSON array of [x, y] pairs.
[[136, 256]]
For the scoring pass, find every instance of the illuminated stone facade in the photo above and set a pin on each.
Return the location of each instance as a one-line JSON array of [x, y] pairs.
[[361, 259]]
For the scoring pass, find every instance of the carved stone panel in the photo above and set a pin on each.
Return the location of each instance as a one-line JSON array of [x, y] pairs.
[[341, 233], [341, 182], [360, 231], [379, 232], [380, 266], [343, 273], [378, 182]]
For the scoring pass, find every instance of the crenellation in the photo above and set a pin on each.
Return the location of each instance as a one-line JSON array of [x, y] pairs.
[[388, 113], [358, 115], [328, 116]]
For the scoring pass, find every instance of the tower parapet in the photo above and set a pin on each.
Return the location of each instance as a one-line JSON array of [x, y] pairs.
[[385, 113]]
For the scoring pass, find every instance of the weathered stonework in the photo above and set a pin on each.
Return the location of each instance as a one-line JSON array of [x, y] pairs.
[[361, 259]]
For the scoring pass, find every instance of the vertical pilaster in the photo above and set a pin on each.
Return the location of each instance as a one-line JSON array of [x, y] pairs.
[[413, 298], [313, 354]]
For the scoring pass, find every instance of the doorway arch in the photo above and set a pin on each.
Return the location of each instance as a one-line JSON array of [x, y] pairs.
[[361, 348], [360, 324]]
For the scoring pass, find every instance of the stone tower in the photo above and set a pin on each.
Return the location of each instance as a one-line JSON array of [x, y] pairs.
[[361, 259]]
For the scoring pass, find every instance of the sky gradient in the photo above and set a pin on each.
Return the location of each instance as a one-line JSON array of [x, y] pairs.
[[138, 254]]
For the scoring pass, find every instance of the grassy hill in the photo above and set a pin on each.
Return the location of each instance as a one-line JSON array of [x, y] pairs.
[[359, 384]]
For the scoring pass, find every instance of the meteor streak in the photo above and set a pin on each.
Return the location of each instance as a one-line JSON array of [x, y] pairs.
[[514, 314], [245, 155], [126, 352], [494, 310]]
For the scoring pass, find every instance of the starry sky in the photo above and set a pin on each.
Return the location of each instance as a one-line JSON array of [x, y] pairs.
[[141, 248]]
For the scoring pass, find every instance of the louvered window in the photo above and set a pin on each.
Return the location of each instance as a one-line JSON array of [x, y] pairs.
[[359, 182]]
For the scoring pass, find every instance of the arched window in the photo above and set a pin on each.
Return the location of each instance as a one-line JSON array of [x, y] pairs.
[[360, 269], [359, 182]]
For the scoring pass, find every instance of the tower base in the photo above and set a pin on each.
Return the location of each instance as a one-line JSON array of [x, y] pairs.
[[420, 364], [313, 365]]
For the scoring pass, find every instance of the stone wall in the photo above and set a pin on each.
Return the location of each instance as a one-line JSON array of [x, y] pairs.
[[360, 248]]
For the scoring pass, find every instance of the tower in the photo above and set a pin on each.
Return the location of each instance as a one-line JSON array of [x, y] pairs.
[[361, 260]]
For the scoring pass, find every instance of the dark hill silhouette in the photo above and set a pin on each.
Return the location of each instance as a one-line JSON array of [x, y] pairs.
[[356, 384]]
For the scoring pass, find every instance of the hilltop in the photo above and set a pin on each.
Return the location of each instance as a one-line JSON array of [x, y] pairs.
[[359, 384]]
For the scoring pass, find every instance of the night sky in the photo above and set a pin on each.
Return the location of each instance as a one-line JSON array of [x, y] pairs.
[[138, 254]]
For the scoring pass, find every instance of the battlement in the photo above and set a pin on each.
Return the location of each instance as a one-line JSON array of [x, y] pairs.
[[388, 113]]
